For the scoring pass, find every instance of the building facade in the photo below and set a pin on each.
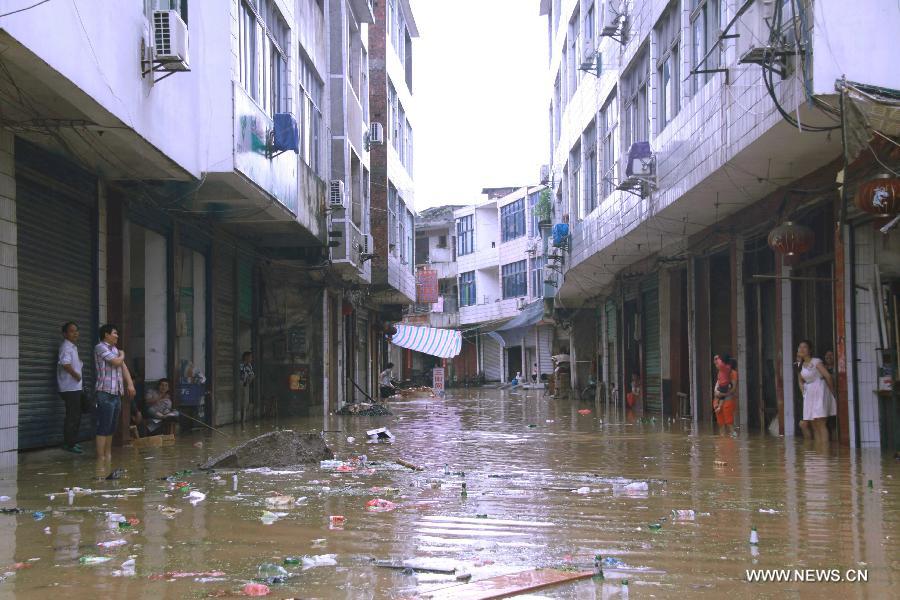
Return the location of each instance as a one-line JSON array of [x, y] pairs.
[[210, 196], [684, 133], [501, 275]]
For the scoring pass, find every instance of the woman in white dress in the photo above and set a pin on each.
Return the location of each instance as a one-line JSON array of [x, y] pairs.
[[818, 393]]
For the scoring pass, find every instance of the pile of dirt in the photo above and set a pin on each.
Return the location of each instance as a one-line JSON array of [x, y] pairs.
[[364, 409], [275, 449]]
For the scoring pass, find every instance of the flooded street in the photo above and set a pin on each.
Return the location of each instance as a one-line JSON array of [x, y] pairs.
[[557, 488]]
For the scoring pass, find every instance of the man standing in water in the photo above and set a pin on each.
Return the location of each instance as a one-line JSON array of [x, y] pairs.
[[247, 375], [113, 380], [68, 379]]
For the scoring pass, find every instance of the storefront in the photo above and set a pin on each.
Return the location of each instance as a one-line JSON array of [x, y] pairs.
[[56, 210]]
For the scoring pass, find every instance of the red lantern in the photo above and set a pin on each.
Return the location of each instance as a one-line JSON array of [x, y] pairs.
[[791, 238], [880, 196]]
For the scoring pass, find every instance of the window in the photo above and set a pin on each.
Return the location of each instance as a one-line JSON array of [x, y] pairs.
[[442, 241], [557, 111], [393, 124], [706, 19], [401, 218], [532, 202], [465, 235], [512, 220], [537, 277], [635, 90], [422, 247], [609, 122], [589, 142], [467, 288], [393, 199], [668, 70], [574, 54], [310, 116], [574, 175], [515, 283], [589, 29], [410, 238], [263, 35]]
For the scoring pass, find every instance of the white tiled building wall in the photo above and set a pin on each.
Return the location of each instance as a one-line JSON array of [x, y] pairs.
[[866, 336], [9, 311]]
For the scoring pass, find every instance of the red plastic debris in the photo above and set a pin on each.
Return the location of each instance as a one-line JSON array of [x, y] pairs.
[[584, 411], [256, 589], [380, 505]]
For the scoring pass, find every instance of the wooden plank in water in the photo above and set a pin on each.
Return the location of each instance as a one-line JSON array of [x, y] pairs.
[[504, 586]]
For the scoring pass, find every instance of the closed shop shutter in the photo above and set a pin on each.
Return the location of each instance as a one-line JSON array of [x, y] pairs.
[[612, 347], [492, 358], [56, 285], [545, 340], [224, 353], [650, 341]]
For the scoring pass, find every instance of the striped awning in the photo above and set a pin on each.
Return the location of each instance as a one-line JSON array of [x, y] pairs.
[[445, 343]]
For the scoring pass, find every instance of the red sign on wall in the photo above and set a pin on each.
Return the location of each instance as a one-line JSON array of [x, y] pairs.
[[427, 286]]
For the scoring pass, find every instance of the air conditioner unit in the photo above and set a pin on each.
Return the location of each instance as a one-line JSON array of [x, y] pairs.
[[337, 197], [170, 41], [640, 160], [614, 21], [546, 174], [376, 134], [368, 244], [521, 303]]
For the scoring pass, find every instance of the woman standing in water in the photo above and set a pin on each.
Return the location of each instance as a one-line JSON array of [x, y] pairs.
[[818, 394]]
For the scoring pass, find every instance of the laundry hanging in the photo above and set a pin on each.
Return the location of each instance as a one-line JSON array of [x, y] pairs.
[[444, 343]]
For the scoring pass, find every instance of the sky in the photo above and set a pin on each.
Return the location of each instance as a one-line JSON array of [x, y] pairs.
[[481, 101]]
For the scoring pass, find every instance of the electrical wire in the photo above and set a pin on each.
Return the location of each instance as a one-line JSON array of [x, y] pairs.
[[13, 12]]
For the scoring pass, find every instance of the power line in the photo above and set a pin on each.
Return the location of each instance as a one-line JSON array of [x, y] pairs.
[[35, 5]]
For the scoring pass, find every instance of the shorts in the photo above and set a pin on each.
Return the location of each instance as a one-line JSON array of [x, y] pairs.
[[108, 408], [725, 416]]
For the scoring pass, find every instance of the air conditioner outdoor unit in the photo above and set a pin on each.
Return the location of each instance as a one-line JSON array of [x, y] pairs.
[[546, 174], [337, 198], [613, 19], [521, 303], [640, 160], [368, 243], [376, 134], [170, 41]]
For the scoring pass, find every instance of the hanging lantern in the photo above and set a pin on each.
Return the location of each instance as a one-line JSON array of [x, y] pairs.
[[880, 196], [791, 238]]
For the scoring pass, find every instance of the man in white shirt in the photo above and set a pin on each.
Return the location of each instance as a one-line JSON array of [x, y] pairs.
[[384, 380], [68, 380]]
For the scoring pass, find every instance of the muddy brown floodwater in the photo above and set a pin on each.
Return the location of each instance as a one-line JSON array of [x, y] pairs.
[[557, 488]]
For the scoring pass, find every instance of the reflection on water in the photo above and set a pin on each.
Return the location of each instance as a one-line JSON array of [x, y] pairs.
[[546, 486]]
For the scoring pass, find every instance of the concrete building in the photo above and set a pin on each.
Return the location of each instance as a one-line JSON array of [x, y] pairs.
[[161, 190], [392, 50], [683, 133], [500, 271]]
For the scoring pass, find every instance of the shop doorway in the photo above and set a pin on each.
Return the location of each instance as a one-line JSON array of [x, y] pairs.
[[513, 361], [759, 302]]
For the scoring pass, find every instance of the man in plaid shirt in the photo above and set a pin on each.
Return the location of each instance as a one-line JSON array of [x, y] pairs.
[[113, 379]]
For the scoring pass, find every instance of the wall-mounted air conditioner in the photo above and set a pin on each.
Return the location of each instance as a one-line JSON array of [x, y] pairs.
[[521, 303], [170, 41], [338, 196], [546, 175], [376, 134]]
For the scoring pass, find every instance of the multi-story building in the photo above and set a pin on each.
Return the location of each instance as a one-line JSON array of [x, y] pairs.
[[189, 193], [391, 44], [500, 259], [684, 132]]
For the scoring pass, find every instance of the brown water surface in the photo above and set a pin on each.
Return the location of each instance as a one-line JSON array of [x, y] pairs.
[[552, 482]]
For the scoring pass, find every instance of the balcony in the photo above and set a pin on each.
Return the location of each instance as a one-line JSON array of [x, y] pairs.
[[489, 311]]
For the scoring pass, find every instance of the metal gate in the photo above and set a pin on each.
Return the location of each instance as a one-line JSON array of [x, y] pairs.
[[56, 284], [225, 359], [491, 358], [650, 341]]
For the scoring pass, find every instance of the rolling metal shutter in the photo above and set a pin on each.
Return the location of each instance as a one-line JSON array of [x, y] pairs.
[[650, 341], [225, 359], [492, 358], [56, 284]]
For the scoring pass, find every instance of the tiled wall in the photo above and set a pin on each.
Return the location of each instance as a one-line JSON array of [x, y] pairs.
[[9, 311], [866, 336]]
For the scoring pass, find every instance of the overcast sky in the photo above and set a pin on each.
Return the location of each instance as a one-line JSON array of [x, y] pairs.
[[481, 103]]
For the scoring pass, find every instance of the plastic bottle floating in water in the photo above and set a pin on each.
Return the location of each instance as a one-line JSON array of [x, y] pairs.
[[754, 536]]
